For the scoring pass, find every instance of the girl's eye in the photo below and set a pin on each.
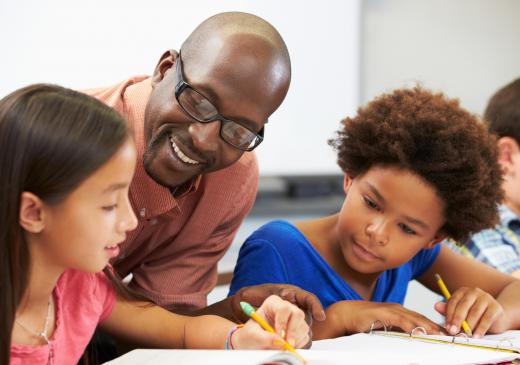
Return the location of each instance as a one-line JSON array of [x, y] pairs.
[[109, 208], [406, 229], [370, 203]]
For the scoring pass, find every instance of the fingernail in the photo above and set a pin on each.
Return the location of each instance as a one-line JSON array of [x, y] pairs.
[[282, 334], [292, 342], [453, 329]]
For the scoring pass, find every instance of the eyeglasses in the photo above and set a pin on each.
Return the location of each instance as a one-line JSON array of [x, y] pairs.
[[202, 110]]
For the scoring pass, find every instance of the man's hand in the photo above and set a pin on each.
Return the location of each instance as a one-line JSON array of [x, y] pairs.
[[255, 295]]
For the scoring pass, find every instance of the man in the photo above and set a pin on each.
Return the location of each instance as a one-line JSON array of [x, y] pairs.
[[500, 247], [195, 123]]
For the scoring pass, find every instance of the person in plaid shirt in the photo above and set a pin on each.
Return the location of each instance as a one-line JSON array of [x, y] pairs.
[[500, 246]]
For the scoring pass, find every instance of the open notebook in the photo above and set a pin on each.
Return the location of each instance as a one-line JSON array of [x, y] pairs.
[[430, 349]]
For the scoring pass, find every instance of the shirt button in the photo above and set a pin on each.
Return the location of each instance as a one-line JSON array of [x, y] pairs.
[[153, 221], [142, 212]]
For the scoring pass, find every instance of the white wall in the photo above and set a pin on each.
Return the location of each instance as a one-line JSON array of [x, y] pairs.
[[95, 43], [466, 48]]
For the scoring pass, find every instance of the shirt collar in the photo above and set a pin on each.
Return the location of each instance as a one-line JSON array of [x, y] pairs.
[[507, 216]]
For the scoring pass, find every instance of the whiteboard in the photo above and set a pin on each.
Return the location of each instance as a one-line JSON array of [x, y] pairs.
[[99, 43]]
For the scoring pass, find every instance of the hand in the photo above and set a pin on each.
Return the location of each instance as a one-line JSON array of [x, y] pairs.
[[287, 320], [480, 310], [353, 316], [255, 295]]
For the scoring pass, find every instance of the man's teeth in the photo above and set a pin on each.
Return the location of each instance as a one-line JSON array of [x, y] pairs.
[[181, 155]]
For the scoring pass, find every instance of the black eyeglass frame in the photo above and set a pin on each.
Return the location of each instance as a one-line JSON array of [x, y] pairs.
[[181, 85]]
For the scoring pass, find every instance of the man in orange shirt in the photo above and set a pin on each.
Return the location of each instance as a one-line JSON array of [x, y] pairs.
[[195, 122]]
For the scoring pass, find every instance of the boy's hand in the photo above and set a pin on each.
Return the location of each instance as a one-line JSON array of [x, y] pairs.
[[480, 310], [287, 320], [354, 316]]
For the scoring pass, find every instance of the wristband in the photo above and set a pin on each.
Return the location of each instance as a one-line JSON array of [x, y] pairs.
[[229, 343]]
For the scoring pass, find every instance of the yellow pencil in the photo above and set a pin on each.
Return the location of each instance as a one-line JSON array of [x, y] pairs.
[[249, 310], [447, 295]]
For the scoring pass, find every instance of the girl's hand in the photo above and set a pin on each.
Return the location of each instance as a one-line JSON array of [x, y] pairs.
[[287, 320], [354, 316], [481, 311]]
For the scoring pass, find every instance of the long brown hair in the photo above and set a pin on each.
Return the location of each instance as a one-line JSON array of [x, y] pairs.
[[51, 139]]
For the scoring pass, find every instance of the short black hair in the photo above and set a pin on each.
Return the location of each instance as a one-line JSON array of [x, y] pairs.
[[502, 113]]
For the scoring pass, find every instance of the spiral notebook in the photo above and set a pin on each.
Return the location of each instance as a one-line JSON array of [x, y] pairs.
[[419, 348], [505, 342]]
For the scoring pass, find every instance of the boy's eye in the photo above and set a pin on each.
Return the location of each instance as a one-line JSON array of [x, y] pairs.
[[109, 208], [370, 203], [406, 229]]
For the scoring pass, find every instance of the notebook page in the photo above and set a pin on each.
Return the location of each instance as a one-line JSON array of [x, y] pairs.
[[226, 357]]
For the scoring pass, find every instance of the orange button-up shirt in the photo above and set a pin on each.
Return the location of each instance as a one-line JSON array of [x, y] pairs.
[[173, 253]]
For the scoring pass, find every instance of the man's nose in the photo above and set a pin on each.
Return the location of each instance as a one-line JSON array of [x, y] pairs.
[[205, 136]]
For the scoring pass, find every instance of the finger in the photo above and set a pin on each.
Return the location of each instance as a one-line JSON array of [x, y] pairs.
[[254, 295], [440, 307], [460, 312], [305, 300], [277, 313], [304, 338], [486, 321], [475, 314], [297, 328], [451, 308], [410, 321]]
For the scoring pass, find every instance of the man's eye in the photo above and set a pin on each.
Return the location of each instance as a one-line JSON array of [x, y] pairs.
[[370, 203]]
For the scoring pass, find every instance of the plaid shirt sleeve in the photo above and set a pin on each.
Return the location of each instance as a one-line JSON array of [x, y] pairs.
[[496, 247]]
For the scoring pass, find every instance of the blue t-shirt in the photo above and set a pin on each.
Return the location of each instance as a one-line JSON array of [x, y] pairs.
[[279, 253]]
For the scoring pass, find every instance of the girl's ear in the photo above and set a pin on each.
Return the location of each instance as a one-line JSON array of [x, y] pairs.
[[347, 182], [166, 62], [31, 213], [439, 237]]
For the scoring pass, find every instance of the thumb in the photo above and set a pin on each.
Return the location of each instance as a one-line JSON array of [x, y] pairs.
[[441, 307]]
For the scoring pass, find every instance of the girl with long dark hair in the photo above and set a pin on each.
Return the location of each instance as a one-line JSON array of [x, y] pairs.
[[66, 163]]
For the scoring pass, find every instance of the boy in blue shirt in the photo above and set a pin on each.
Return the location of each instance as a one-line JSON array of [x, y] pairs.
[[418, 169], [500, 245]]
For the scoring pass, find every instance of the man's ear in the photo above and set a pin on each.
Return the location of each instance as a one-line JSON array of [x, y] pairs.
[[439, 237], [31, 213], [347, 182], [507, 148], [166, 61]]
